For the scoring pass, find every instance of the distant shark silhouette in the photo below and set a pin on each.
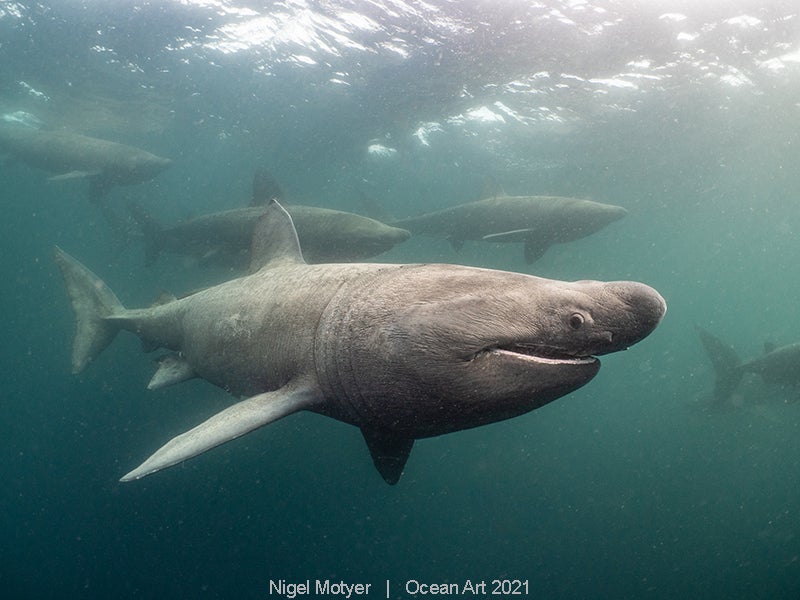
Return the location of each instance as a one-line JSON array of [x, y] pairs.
[[225, 237], [69, 155], [778, 365], [536, 221]]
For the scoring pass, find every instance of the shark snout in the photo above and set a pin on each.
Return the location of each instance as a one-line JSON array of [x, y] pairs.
[[163, 164], [604, 337], [649, 305], [153, 165], [639, 310]]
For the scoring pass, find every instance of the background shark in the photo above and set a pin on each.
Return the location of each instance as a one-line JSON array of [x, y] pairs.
[[225, 237], [537, 221], [778, 365], [69, 155]]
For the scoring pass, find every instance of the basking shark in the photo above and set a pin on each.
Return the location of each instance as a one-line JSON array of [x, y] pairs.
[[225, 237], [401, 351], [537, 221], [69, 155], [778, 365]]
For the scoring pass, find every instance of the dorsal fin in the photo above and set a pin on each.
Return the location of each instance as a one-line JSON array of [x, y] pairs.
[[265, 188], [164, 297], [769, 347], [275, 240]]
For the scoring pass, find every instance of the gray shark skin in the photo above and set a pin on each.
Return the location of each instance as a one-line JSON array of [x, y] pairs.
[[779, 366], [537, 221], [401, 351], [69, 155], [225, 237]]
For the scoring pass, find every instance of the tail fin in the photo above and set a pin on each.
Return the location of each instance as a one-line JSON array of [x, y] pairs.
[[151, 230], [726, 364], [92, 301]]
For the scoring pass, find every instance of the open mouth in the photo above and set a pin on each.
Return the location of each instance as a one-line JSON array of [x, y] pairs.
[[539, 354]]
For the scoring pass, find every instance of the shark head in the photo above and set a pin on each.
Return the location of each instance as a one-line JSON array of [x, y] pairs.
[[142, 166], [611, 213], [468, 347], [151, 165], [370, 238], [594, 215], [336, 236]]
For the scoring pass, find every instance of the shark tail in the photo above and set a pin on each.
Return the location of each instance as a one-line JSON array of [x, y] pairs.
[[726, 364], [93, 303], [151, 230]]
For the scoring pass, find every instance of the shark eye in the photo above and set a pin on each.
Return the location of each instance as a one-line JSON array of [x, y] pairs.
[[576, 320]]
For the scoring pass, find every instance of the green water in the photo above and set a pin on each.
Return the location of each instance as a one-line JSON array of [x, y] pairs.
[[634, 486]]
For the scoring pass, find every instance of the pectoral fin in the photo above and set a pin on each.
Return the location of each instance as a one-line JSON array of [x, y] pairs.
[[389, 453], [534, 249], [535, 246], [172, 369], [243, 417]]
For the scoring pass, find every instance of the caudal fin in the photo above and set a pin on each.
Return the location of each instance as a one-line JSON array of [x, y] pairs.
[[725, 362], [92, 302]]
